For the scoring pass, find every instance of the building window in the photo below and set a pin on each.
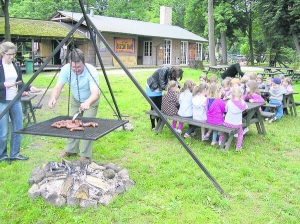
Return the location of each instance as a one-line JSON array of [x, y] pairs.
[[183, 52], [167, 52], [199, 47]]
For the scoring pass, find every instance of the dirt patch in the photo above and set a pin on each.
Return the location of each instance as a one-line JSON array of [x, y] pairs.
[[293, 155]]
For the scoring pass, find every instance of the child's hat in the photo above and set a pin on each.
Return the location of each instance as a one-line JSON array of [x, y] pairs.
[[277, 80]]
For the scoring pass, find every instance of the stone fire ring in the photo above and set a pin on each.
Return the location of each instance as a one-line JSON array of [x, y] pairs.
[[78, 183]]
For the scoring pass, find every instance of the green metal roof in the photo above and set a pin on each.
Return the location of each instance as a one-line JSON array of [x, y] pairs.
[[38, 28]]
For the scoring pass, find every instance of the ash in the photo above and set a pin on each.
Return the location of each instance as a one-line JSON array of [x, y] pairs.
[[78, 183]]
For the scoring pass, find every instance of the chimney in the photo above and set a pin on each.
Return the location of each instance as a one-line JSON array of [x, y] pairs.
[[166, 15], [92, 11]]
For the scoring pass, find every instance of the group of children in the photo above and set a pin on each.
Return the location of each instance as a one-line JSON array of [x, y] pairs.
[[275, 88], [221, 104]]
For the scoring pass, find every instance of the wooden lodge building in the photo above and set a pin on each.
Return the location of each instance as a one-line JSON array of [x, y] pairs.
[[134, 42]]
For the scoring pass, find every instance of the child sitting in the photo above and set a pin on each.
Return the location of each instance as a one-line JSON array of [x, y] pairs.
[[244, 80], [276, 96], [260, 81], [215, 108], [213, 79], [234, 116], [268, 83], [226, 88], [281, 76], [203, 78], [199, 109], [287, 84], [169, 105], [253, 94], [185, 102], [252, 75], [235, 82]]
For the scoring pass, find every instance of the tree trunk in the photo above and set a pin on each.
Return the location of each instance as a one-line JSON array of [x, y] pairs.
[[224, 48], [250, 39], [296, 41], [212, 57], [4, 6]]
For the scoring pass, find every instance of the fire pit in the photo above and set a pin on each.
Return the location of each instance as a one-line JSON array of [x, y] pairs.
[[77, 183]]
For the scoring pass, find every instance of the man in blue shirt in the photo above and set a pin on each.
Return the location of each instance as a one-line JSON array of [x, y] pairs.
[[84, 82]]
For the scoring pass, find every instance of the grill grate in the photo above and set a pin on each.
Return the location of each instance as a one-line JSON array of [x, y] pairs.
[[105, 126]]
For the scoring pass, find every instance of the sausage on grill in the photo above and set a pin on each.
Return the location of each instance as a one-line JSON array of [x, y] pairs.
[[73, 125]]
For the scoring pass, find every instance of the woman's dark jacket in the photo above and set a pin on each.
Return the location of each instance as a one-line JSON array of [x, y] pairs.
[[232, 71], [159, 79]]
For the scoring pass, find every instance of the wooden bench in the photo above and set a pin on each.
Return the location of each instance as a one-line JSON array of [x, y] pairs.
[[228, 133], [272, 110], [268, 115]]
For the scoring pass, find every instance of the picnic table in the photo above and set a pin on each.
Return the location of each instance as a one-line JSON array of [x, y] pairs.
[[217, 68], [288, 101], [253, 116], [272, 71]]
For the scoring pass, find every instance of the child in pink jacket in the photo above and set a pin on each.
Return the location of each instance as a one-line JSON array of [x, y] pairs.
[[234, 116], [215, 108], [253, 94]]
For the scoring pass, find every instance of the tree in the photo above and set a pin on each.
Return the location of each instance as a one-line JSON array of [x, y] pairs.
[[134, 9], [144, 10], [226, 23], [195, 17], [212, 58], [4, 7], [280, 20], [247, 10], [44, 9]]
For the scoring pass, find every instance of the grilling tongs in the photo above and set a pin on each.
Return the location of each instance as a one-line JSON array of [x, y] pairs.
[[77, 114]]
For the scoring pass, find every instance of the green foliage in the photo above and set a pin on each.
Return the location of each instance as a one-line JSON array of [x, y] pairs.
[[244, 50], [279, 19], [43, 9], [288, 55], [195, 17], [135, 9]]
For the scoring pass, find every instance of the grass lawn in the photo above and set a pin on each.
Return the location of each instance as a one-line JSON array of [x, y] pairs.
[[262, 182]]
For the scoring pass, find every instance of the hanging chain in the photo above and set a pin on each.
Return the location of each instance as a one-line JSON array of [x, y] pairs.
[[101, 91]]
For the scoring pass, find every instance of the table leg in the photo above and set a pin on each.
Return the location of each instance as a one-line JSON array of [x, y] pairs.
[[160, 125], [25, 108], [261, 122], [255, 114], [32, 111], [258, 128], [291, 104], [230, 138]]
